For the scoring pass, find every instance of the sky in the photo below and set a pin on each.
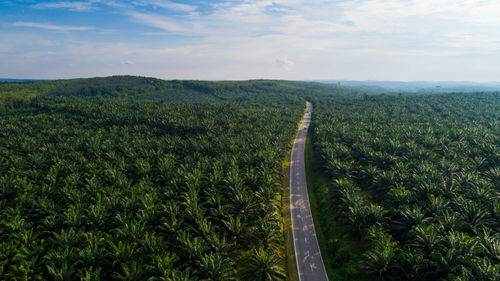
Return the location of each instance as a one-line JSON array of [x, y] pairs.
[[398, 40]]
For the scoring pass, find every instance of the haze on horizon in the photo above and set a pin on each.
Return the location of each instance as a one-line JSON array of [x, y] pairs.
[[433, 40]]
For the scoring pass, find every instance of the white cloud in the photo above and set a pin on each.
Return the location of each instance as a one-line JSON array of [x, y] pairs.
[[175, 6], [51, 26], [472, 41], [110, 3], [169, 24], [418, 15], [72, 6], [284, 64], [170, 5]]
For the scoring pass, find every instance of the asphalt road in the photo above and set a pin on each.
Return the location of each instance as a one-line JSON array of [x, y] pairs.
[[308, 256]]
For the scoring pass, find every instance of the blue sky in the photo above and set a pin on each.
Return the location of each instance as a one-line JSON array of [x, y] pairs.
[[402, 40]]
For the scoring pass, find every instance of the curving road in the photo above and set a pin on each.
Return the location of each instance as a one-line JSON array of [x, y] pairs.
[[307, 254]]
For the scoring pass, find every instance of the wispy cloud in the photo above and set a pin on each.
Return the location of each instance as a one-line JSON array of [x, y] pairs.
[[170, 24], [386, 16], [111, 3], [51, 26], [284, 64], [170, 5], [72, 6], [472, 41]]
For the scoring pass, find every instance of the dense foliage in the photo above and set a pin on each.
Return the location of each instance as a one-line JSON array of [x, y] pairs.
[[118, 184], [133, 178], [176, 91], [417, 179]]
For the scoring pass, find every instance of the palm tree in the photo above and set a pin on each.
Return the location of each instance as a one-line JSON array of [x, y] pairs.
[[493, 174], [376, 215], [490, 243], [215, 267], [204, 227], [383, 182], [408, 217], [484, 270], [267, 194], [460, 249], [243, 202], [179, 275], [193, 206], [436, 204], [368, 174], [449, 221], [131, 271], [348, 193], [425, 188], [62, 273], [172, 219], [412, 265], [482, 191], [193, 247], [267, 234], [153, 245], [426, 238], [448, 188], [263, 266], [216, 177], [93, 252], [95, 214], [380, 261], [90, 274], [473, 214], [234, 225], [164, 266], [339, 168], [219, 243], [399, 196], [122, 251], [130, 229]]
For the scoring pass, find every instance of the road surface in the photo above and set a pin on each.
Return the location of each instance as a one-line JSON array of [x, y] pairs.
[[307, 254]]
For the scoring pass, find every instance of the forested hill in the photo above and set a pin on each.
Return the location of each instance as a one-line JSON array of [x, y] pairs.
[[166, 90]]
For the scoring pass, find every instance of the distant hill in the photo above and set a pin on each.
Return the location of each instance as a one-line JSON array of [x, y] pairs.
[[418, 86], [135, 84], [8, 80], [171, 90]]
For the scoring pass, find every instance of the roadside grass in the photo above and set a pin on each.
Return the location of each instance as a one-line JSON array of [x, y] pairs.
[[341, 254], [291, 266]]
